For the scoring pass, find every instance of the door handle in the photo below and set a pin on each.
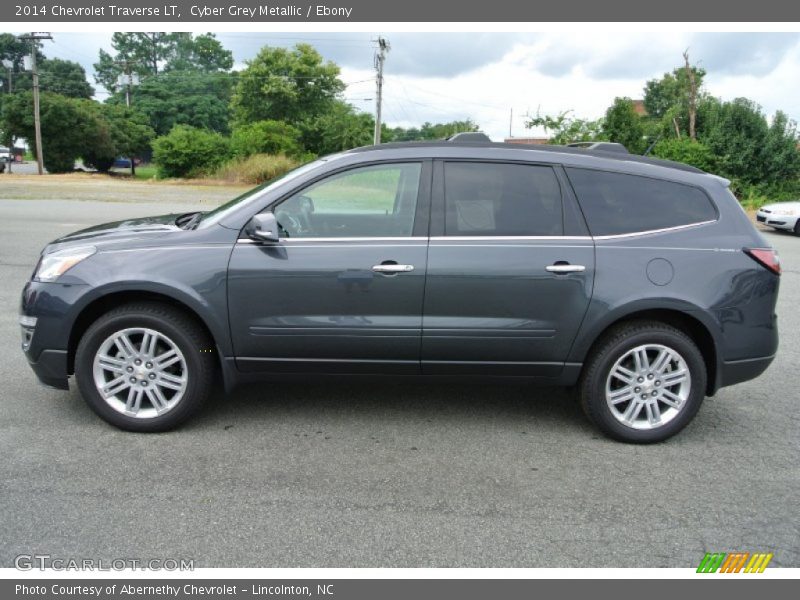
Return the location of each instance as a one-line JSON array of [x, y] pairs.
[[393, 268], [561, 268]]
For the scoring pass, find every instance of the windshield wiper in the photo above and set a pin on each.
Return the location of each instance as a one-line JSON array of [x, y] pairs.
[[188, 220]]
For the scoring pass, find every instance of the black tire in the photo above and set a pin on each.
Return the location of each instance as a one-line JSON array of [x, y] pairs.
[[616, 344], [797, 227], [182, 330]]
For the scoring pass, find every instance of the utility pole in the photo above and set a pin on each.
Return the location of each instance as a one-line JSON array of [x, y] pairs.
[[34, 38], [126, 79], [9, 64], [380, 57], [510, 122]]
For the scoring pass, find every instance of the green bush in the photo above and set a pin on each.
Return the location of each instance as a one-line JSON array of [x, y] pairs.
[[265, 137], [189, 152], [685, 150], [755, 196], [255, 169], [70, 127]]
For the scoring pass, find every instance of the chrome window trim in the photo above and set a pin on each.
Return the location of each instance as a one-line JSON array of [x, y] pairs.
[[484, 238], [618, 236], [504, 238], [417, 238]]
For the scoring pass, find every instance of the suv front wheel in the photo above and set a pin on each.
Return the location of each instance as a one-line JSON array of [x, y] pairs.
[[644, 382], [145, 367]]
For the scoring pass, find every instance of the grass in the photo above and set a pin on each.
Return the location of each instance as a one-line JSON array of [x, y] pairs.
[[255, 169], [753, 200], [99, 187], [147, 172]]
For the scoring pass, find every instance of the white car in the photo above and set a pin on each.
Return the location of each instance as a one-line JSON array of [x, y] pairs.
[[782, 215], [5, 154]]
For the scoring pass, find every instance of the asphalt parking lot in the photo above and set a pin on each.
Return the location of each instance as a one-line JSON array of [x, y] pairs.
[[388, 475]]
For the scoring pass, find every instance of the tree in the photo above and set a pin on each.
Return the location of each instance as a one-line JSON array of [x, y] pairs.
[[564, 129], [341, 127], [75, 128], [135, 52], [203, 53], [172, 98], [687, 151], [738, 136], [691, 103], [265, 137], [781, 148], [675, 99], [429, 131], [280, 84], [149, 53], [70, 127], [749, 149], [189, 152], [623, 125], [15, 50], [130, 135], [672, 89], [59, 76]]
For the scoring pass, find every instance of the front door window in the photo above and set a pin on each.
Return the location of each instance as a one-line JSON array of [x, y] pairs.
[[375, 201]]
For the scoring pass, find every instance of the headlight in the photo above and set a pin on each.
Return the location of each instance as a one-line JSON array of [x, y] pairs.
[[53, 265]]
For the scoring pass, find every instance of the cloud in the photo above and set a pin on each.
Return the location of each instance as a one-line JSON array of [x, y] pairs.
[[645, 55], [440, 77], [419, 54], [742, 53]]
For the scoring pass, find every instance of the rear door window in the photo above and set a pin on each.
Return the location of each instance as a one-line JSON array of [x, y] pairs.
[[616, 203], [501, 199]]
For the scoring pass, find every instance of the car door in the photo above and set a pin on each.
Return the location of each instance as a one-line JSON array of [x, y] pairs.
[[510, 270], [342, 289]]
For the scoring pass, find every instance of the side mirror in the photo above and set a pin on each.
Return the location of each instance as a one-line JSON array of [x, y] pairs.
[[263, 227]]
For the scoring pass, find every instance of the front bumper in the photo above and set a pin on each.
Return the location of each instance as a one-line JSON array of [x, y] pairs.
[[45, 320], [51, 368], [776, 220]]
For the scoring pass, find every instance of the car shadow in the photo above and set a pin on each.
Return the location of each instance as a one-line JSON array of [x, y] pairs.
[[512, 405]]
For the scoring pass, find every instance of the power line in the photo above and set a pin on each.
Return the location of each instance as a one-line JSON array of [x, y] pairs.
[[460, 99]]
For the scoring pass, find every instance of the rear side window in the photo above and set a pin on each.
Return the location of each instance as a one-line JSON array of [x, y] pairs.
[[615, 204], [501, 199]]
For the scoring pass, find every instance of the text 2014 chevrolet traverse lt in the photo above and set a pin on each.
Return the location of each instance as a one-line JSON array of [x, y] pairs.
[[641, 281]]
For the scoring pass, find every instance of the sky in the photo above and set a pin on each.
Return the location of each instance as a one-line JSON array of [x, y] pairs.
[[441, 77]]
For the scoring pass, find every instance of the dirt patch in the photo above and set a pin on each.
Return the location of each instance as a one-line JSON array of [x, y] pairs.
[[87, 186]]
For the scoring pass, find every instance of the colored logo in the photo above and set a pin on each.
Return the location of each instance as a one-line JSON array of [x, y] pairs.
[[735, 562]]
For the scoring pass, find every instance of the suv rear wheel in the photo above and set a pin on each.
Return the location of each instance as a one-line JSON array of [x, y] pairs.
[[644, 382], [144, 367]]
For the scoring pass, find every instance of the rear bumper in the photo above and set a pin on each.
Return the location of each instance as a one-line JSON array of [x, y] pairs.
[[737, 371], [51, 368]]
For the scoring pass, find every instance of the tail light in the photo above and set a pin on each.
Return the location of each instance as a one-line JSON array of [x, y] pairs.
[[766, 257]]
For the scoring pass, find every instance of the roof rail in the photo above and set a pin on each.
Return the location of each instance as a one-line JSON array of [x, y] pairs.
[[604, 146], [599, 153], [469, 136]]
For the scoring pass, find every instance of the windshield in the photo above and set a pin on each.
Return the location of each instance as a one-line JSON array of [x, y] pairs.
[[219, 213]]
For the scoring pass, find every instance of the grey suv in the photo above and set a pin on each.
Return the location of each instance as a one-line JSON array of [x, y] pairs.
[[640, 281]]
